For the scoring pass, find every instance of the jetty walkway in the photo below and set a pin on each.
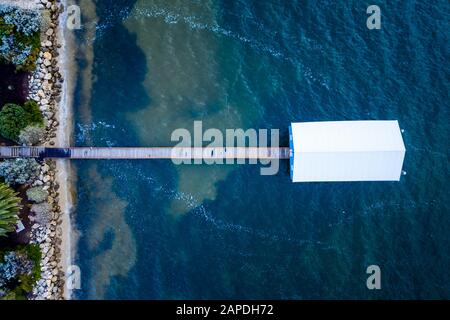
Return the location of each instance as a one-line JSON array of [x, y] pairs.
[[180, 153]]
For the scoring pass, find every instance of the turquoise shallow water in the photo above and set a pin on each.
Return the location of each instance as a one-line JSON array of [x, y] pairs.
[[152, 230]]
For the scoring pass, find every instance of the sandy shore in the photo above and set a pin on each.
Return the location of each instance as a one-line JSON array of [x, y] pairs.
[[63, 139]]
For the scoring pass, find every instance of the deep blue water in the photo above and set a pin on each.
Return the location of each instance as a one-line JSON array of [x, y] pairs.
[[152, 230]]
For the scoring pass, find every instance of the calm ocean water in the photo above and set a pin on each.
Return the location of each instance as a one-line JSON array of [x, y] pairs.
[[152, 230]]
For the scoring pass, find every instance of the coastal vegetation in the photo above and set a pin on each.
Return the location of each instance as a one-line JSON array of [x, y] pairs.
[[30, 84], [42, 213], [9, 209], [23, 171], [19, 271], [37, 194], [15, 118], [32, 135], [19, 36]]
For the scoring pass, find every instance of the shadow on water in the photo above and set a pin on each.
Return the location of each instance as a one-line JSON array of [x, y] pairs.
[[107, 244], [126, 64]]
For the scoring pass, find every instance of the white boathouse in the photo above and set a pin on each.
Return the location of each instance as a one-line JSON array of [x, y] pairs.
[[346, 151]]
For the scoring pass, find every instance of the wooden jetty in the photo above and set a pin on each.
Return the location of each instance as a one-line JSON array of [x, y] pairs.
[[180, 153]]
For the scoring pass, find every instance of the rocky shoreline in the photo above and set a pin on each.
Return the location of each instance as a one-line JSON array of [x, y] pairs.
[[45, 87]]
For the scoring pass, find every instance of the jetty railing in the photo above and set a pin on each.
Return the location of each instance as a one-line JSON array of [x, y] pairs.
[[180, 153]]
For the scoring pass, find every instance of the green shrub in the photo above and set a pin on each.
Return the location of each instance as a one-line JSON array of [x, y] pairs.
[[15, 118], [37, 194], [34, 254], [34, 43], [12, 121], [33, 113], [20, 271], [5, 28], [9, 208], [32, 135], [26, 21], [20, 171], [20, 36], [9, 296]]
